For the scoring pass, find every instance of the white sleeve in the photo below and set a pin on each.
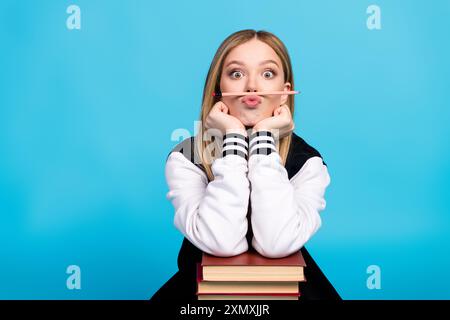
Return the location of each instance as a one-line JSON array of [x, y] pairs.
[[213, 216], [285, 213]]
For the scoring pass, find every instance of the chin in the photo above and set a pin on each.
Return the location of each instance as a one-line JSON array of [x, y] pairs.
[[249, 122]]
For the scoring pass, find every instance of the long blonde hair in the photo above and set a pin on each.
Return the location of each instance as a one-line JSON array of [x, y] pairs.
[[212, 84]]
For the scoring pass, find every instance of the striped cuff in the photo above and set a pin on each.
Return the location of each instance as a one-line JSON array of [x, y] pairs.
[[262, 142], [235, 143]]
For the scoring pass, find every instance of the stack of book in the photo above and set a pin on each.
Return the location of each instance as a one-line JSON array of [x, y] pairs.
[[250, 276]]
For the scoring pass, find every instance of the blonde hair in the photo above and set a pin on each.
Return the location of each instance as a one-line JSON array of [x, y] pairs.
[[212, 84]]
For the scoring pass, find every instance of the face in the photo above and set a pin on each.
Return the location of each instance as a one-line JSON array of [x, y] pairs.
[[253, 66]]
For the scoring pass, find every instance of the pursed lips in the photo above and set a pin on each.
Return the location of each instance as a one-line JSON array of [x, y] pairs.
[[251, 101]]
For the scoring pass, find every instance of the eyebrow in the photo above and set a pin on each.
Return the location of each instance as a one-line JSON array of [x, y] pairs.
[[262, 62]]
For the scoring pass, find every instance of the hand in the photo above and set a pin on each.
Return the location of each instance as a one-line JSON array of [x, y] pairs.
[[280, 124], [218, 118]]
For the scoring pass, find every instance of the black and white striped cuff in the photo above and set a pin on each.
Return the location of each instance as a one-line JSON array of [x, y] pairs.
[[262, 142], [235, 143]]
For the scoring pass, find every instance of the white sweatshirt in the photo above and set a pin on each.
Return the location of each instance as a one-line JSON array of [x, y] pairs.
[[284, 211]]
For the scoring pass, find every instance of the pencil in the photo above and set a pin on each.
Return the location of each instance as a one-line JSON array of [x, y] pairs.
[[226, 94]]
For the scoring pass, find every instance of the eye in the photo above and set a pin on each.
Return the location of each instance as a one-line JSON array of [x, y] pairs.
[[269, 74], [236, 74]]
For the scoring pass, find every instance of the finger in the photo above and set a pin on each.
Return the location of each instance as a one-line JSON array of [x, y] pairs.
[[284, 110], [220, 106], [277, 111], [224, 108]]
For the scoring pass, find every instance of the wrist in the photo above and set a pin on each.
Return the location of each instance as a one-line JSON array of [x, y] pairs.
[[235, 143], [239, 130], [261, 142], [259, 128]]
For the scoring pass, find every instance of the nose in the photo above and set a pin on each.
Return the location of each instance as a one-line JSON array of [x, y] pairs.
[[251, 84]]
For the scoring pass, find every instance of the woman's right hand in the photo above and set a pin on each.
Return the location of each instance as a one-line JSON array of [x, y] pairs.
[[218, 118]]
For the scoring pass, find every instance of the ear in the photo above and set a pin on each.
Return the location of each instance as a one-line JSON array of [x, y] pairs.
[[284, 97]]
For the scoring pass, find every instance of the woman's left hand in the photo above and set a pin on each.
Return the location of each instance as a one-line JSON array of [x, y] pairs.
[[280, 124]]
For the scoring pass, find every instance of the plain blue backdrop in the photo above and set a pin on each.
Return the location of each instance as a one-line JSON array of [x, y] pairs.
[[86, 118]]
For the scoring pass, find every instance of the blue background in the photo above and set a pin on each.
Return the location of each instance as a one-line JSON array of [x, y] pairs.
[[86, 118]]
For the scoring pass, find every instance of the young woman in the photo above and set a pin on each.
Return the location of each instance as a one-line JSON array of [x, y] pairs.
[[246, 180]]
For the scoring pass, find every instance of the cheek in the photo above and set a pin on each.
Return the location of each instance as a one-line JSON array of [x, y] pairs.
[[227, 85], [231, 103], [270, 104]]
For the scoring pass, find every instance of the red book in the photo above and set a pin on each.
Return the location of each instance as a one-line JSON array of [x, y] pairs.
[[245, 289], [252, 266]]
